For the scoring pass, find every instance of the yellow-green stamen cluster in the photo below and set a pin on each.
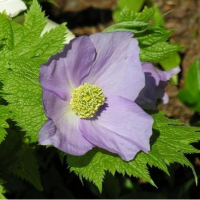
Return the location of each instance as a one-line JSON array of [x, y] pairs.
[[86, 100]]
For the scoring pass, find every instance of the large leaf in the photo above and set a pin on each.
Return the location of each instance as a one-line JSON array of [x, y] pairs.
[[169, 142], [24, 51]]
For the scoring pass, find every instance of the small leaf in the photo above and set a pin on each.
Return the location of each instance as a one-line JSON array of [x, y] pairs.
[[158, 17], [171, 62], [129, 15], [135, 27], [133, 5], [158, 51], [2, 190], [190, 95], [146, 14], [153, 34]]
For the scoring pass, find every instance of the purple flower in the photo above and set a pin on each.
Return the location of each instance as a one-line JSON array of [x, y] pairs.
[[155, 83], [88, 96]]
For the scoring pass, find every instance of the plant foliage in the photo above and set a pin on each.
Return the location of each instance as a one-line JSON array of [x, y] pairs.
[[169, 142], [23, 50]]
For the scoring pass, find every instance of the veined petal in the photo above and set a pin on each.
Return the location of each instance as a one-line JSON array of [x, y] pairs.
[[46, 132], [117, 65], [122, 128], [66, 70], [64, 122]]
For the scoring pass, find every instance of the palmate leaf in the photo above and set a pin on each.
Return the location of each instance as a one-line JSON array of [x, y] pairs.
[[24, 51], [169, 142]]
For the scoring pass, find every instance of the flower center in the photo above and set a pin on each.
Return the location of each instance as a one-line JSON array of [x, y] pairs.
[[86, 100]]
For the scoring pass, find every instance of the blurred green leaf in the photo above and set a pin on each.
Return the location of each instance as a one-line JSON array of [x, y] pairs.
[[171, 62], [190, 95], [111, 186], [2, 190], [158, 17], [185, 190]]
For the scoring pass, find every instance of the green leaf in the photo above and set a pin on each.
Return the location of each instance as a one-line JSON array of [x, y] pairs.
[[93, 165], [18, 158], [50, 43], [171, 62], [158, 17], [25, 95], [34, 20], [26, 167], [33, 26], [169, 142], [126, 15], [2, 190], [153, 34], [4, 115], [135, 27], [190, 95], [20, 66], [6, 32], [158, 51], [146, 14], [133, 5]]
